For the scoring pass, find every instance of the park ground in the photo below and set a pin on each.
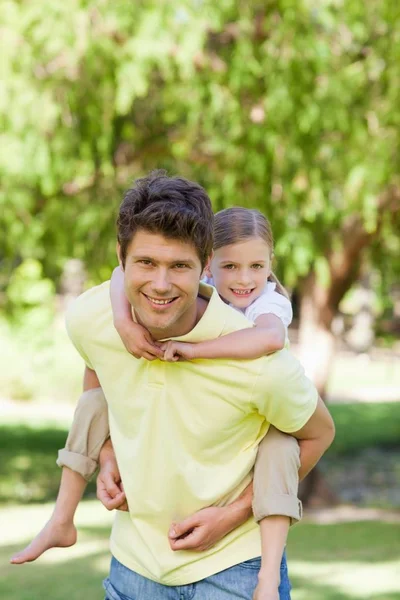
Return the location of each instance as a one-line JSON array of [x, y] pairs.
[[347, 552]]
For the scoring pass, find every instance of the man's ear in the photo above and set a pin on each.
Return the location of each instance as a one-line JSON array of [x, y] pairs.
[[118, 249], [206, 270]]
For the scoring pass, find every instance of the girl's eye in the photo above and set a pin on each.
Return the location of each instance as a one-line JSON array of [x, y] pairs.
[[257, 266], [230, 267]]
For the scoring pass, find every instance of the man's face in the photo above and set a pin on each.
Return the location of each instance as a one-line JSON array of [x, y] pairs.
[[162, 283]]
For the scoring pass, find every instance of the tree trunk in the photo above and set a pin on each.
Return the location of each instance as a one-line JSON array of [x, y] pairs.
[[317, 343], [318, 307]]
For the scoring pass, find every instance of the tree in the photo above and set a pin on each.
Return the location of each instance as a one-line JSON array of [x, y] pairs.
[[290, 107]]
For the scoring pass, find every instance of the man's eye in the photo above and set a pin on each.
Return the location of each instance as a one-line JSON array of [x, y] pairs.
[[181, 266], [145, 262]]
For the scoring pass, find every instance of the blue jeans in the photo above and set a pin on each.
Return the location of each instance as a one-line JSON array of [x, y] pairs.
[[239, 581]]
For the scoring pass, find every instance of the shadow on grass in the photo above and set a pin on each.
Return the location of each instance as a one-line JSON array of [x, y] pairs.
[[28, 470], [76, 579], [61, 574], [360, 426], [367, 541]]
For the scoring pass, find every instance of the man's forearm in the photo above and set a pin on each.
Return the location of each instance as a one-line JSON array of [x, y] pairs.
[[106, 452], [310, 453], [314, 438], [240, 510]]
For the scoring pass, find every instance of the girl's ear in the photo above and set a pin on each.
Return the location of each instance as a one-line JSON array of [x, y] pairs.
[[271, 264], [118, 248]]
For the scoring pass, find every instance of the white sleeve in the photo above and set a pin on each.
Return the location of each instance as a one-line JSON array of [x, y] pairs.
[[271, 302]]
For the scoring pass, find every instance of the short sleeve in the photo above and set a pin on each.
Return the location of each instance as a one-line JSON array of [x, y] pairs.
[[271, 302], [283, 394], [76, 330]]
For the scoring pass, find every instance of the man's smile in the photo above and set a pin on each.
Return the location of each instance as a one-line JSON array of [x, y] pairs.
[[159, 302]]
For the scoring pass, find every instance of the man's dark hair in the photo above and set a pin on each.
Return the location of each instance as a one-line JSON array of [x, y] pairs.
[[171, 206]]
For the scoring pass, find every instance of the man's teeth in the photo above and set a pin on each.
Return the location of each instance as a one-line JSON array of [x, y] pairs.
[[160, 301], [243, 292]]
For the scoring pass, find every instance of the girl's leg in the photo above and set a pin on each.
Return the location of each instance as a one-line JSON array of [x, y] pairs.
[[275, 504], [59, 531], [79, 460]]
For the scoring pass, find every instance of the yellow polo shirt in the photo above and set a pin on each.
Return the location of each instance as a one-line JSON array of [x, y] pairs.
[[185, 434]]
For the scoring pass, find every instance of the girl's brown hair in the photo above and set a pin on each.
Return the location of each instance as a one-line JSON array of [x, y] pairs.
[[237, 224]]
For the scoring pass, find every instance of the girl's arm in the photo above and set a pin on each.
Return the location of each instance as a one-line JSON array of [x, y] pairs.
[[137, 340], [267, 336]]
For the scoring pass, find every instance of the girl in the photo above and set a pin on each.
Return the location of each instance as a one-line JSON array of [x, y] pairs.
[[240, 269]]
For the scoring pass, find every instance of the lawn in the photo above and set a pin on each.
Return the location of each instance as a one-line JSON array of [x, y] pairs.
[[343, 561], [339, 561], [28, 472]]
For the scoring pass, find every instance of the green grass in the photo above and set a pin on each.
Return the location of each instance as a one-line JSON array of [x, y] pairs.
[[346, 561], [28, 472], [365, 425]]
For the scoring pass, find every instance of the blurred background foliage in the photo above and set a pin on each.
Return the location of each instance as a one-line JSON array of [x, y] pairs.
[[288, 106]]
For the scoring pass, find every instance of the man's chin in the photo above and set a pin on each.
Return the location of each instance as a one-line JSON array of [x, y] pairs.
[[157, 326]]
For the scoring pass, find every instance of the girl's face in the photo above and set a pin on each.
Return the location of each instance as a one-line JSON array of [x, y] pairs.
[[240, 271]]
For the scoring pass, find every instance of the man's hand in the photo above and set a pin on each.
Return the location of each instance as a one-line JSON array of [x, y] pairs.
[[137, 340], [202, 530], [110, 490], [174, 351]]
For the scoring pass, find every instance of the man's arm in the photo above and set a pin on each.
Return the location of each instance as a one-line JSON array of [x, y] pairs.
[[109, 486], [314, 438], [110, 490], [90, 380], [209, 525], [206, 527]]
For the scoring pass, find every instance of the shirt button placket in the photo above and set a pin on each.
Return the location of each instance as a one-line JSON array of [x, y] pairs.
[[156, 373]]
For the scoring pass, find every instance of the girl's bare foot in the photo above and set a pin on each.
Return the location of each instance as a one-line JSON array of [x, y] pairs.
[[53, 535]]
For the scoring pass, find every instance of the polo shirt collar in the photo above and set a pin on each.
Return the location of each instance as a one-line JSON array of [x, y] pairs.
[[212, 323]]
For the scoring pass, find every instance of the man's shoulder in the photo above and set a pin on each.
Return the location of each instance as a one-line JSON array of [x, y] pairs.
[[89, 306], [278, 366]]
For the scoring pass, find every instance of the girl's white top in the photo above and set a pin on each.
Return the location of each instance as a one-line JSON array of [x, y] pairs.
[[269, 302]]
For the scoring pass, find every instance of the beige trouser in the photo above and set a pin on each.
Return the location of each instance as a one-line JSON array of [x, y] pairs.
[[89, 431], [275, 473]]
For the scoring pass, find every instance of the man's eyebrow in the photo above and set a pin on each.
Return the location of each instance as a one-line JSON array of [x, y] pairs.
[[177, 261], [141, 257], [186, 261]]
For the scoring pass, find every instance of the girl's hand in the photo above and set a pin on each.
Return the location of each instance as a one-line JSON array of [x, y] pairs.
[[264, 591], [138, 341], [174, 351]]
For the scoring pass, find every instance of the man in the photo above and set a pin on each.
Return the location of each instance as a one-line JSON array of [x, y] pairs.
[[185, 434]]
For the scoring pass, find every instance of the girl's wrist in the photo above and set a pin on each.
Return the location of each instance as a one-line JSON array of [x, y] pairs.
[[269, 576], [122, 322]]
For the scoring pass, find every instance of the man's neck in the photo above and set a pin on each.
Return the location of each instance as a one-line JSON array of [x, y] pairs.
[[178, 330]]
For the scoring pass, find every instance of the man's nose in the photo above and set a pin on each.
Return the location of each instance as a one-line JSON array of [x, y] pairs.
[[161, 283]]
